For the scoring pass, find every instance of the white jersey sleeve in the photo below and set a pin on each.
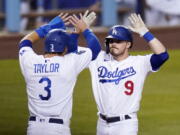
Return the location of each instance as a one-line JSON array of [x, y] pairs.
[[82, 59], [26, 56], [146, 63]]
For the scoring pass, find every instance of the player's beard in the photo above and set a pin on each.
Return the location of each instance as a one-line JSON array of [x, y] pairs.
[[117, 52]]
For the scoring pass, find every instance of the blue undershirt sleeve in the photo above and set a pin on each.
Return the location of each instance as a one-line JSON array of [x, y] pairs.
[[157, 60], [73, 43], [92, 43]]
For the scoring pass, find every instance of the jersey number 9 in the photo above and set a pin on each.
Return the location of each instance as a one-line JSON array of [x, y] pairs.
[[129, 85]]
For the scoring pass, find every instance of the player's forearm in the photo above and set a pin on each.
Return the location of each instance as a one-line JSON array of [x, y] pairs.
[[28, 40], [156, 46], [33, 37], [160, 54], [42, 31]]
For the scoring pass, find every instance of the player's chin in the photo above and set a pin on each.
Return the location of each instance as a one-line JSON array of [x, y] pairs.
[[114, 52]]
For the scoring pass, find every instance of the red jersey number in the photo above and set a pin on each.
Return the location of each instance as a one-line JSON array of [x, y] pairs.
[[129, 85]]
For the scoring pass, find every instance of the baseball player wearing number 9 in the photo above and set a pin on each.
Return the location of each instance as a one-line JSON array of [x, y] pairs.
[[118, 78], [50, 78]]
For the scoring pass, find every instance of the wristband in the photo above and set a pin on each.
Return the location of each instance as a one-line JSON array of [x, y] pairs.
[[148, 36], [57, 22]]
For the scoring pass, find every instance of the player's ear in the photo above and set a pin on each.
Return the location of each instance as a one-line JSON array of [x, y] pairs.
[[128, 45], [65, 51]]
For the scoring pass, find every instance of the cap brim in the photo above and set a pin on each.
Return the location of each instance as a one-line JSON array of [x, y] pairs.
[[109, 37]]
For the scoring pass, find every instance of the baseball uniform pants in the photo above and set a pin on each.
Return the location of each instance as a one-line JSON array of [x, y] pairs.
[[47, 126], [121, 125]]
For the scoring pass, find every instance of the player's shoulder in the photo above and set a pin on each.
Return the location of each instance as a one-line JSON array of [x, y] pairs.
[[140, 56], [27, 54], [83, 48], [81, 51], [26, 50], [102, 56]]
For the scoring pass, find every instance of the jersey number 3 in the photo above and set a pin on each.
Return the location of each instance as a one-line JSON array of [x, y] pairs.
[[130, 88], [47, 88]]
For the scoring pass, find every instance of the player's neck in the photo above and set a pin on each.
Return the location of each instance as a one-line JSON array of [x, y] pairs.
[[48, 55]]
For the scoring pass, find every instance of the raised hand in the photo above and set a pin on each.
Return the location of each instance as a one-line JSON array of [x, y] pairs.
[[83, 22], [137, 24], [78, 23], [60, 21], [89, 19], [65, 17]]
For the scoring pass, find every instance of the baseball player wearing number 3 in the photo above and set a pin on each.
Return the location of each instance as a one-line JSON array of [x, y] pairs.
[[50, 78], [118, 78]]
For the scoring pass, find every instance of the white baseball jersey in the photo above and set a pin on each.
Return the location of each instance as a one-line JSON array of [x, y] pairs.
[[50, 81], [117, 86]]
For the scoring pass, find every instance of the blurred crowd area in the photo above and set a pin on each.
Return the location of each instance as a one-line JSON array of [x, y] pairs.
[[155, 13]]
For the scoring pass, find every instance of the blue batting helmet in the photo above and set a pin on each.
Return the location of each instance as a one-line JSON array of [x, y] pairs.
[[118, 32], [56, 40], [121, 33]]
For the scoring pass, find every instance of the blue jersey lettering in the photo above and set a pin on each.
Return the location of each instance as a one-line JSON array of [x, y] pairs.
[[114, 76], [46, 68]]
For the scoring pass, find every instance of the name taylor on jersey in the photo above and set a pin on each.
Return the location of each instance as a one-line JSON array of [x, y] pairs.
[[46, 68]]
